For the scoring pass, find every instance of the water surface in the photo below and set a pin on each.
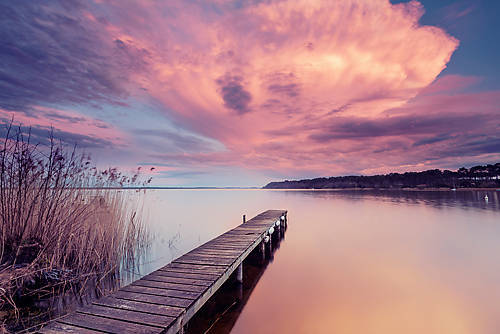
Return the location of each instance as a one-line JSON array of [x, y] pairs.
[[351, 262]]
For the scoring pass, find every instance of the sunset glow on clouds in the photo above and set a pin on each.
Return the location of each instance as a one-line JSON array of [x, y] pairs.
[[214, 91]]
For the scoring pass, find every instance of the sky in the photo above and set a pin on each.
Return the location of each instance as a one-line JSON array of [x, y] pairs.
[[241, 93]]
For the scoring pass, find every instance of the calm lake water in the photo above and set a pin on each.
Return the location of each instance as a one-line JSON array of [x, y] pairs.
[[350, 262]]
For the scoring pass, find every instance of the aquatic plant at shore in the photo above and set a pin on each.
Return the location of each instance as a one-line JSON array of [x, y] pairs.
[[59, 225]]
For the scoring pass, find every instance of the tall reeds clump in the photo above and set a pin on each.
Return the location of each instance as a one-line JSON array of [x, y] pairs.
[[58, 226]]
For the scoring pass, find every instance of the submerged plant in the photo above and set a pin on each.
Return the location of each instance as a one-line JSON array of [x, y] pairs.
[[59, 225]]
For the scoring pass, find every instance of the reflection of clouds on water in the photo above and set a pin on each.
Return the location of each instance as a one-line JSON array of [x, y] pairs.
[[424, 260], [181, 220]]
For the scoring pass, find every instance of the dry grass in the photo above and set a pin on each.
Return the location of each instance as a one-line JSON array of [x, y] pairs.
[[58, 226]]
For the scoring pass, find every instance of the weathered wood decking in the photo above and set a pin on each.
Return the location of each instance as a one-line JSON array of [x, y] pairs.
[[163, 301]]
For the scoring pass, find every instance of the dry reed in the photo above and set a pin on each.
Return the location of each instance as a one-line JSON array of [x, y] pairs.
[[58, 223]]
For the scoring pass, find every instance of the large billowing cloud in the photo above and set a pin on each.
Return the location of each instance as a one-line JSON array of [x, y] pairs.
[[263, 79], [320, 87]]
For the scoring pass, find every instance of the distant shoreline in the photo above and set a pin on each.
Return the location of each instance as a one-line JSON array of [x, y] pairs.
[[295, 189], [172, 188], [477, 177], [388, 189]]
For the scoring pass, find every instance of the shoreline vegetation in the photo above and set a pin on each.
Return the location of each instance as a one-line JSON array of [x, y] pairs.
[[62, 231], [385, 189], [480, 177]]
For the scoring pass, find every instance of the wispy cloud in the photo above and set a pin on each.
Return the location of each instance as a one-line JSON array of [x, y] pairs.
[[59, 53], [71, 127]]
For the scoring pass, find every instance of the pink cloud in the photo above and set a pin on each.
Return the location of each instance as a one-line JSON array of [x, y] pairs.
[[242, 75]]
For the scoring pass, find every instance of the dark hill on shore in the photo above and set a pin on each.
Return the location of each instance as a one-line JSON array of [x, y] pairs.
[[487, 176]]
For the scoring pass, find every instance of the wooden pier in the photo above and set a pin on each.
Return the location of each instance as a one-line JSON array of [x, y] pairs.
[[165, 300]]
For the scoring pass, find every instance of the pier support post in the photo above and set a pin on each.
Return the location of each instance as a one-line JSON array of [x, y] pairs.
[[263, 250], [181, 329], [283, 221], [239, 273]]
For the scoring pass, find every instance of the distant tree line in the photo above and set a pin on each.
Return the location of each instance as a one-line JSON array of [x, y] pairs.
[[475, 177]]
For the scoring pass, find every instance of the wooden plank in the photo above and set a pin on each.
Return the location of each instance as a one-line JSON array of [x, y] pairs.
[[197, 254], [234, 240], [168, 279], [228, 254], [162, 292], [262, 228], [57, 328], [131, 305], [197, 276], [230, 249], [221, 249], [190, 271], [136, 317], [176, 304], [211, 255], [250, 227], [107, 325], [172, 286], [218, 252], [229, 245], [199, 260], [246, 233], [228, 242], [215, 253], [202, 261], [243, 232], [199, 267], [243, 235], [239, 249]]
